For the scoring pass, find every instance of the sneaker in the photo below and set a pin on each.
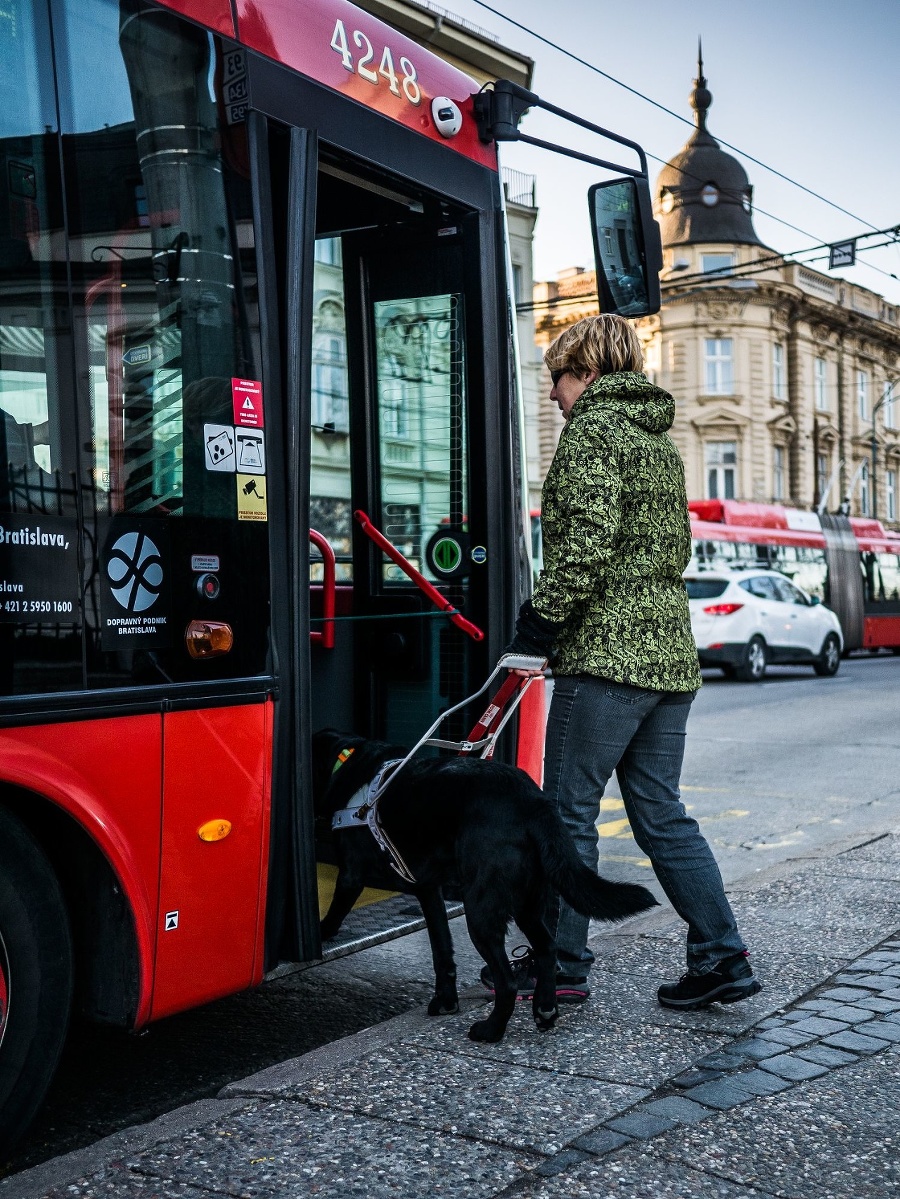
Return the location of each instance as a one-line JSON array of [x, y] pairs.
[[569, 989], [730, 981]]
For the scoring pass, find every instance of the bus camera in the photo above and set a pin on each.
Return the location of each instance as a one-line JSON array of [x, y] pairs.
[[447, 116]]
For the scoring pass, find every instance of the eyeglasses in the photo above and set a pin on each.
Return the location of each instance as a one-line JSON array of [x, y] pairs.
[[555, 376]]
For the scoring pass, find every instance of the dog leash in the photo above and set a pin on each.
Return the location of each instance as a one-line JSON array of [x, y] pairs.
[[363, 806]]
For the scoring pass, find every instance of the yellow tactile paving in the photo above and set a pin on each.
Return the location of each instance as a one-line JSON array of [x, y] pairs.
[[327, 875]]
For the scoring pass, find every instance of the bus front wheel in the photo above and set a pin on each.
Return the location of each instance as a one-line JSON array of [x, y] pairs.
[[35, 977]]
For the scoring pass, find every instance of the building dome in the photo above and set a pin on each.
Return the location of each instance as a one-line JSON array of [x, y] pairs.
[[703, 194]]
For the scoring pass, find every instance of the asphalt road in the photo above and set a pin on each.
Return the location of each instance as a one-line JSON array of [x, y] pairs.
[[772, 770]]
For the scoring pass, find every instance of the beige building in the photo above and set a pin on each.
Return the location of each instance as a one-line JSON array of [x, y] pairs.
[[782, 374]]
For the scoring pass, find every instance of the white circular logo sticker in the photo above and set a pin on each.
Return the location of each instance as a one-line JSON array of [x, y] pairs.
[[135, 572]]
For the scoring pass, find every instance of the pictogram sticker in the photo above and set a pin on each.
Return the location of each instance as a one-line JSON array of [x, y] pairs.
[[246, 395], [251, 450], [218, 446], [251, 497], [171, 921]]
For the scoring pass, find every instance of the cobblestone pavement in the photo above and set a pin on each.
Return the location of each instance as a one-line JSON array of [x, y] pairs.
[[791, 1093]]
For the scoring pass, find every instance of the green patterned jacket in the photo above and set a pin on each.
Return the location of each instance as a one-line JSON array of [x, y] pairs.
[[616, 540]]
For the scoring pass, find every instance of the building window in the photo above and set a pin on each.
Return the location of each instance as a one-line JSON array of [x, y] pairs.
[[864, 489], [890, 494], [862, 394], [778, 472], [721, 466], [821, 384], [887, 406], [517, 283], [779, 386], [719, 370], [711, 264], [822, 474], [330, 397]]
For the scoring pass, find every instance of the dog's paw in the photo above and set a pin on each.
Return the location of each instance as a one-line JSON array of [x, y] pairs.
[[443, 1006], [546, 1019], [485, 1031]]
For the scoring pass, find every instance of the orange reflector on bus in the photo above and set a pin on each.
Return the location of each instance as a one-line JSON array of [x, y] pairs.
[[208, 638], [214, 830]]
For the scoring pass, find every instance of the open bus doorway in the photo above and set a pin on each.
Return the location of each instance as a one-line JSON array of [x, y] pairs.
[[393, 404]]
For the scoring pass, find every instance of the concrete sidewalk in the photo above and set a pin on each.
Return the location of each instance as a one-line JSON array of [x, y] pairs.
[[792, 1093]]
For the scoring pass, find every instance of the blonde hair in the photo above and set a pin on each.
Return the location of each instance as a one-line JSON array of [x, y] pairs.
[[605, 344]]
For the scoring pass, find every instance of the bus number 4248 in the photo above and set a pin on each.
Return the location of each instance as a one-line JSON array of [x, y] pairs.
[[409, 81]]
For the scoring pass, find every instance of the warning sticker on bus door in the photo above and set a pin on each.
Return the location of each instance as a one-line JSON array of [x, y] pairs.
[[251, 497], [246, 395], [38, 569]]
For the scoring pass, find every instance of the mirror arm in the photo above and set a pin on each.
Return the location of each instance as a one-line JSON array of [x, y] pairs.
[[597, 162], [498, 111]]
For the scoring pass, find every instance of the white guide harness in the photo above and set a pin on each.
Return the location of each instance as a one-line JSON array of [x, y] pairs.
[[363, 805]]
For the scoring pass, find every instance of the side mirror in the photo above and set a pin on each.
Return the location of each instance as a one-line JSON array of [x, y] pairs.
[[814, 599], [627, 246]]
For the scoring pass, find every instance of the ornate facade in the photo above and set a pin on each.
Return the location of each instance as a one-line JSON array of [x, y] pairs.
[[784, 376]]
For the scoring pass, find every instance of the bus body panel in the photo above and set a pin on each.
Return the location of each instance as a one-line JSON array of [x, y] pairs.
[[881, 631], [370, 62], [216, 767], [106, 774], [214, 14]]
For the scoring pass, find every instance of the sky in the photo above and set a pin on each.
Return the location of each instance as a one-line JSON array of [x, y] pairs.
[[809, 87]]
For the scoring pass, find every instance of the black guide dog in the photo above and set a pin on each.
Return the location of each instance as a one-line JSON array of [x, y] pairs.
[[482, 828]]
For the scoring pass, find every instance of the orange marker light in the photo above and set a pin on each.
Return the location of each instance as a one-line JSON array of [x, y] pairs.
[[208, 638], [214, 830]]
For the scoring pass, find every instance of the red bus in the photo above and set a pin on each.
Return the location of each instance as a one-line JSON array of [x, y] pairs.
[[851, 563], [252, 279]]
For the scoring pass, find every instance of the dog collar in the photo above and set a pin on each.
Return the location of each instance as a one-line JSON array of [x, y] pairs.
[[342, 758]]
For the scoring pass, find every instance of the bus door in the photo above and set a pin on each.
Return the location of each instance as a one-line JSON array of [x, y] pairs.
[[396, 329], [391, 410]]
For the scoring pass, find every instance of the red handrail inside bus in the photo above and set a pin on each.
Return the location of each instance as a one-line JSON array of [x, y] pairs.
[[419, 579], [325, 636]]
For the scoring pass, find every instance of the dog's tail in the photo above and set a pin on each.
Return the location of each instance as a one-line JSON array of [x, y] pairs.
[[585, 891]]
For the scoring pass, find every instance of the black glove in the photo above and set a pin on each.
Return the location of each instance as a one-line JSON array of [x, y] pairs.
[[535, 635]]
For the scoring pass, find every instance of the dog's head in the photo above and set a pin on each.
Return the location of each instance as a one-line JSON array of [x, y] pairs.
[[342, 763], [331, 749]]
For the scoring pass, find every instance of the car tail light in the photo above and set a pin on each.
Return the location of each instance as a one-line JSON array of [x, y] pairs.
[[722, 609]]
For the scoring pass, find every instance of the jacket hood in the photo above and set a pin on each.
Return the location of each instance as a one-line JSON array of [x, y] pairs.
[[633, 395]]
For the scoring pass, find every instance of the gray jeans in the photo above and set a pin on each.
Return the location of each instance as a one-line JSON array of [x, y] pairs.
[[595, 727]]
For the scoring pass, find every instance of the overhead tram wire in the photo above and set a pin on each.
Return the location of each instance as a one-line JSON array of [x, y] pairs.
[[740, 271], [678, 116]]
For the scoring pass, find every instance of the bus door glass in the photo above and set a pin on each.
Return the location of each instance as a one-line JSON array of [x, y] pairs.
[[169, 411], [414, 315], [390, 411]]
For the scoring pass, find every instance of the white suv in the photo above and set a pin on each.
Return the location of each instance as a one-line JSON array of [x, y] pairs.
[[743, 620]]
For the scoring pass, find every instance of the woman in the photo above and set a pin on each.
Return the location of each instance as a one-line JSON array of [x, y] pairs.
[[610, 610]]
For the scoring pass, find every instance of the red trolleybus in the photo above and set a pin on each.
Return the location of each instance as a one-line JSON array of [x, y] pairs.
[[252, 280], [852, 564]]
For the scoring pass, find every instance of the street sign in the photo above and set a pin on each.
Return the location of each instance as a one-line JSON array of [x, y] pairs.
[[842, 254]]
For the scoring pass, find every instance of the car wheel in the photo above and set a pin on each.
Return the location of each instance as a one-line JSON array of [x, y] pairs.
[[35, 977], [754, 660], [830, 657]]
